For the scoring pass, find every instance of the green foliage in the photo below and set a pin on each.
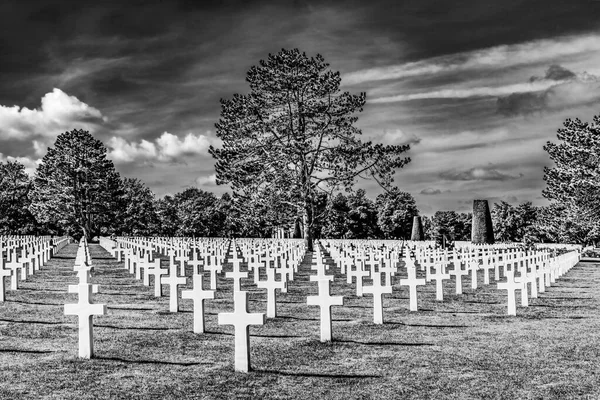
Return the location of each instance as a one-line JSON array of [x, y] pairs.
[[15, 217], [573, 184], [395, 212], [137, 214], [455, 226], [514, 224], [76, 188], [293, 135]]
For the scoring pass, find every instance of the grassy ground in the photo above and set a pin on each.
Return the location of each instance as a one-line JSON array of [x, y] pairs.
[[463, 348]]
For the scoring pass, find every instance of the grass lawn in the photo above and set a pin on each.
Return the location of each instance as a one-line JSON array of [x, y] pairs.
[[463, 348]]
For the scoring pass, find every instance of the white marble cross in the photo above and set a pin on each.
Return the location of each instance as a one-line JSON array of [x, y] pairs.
[[458, 273], [236, 274], [412, 282], [473, 267], [212, 269], [325, 300], [271, 284], [173, 281], [439, 276], [510, 285], [196, 263], [182, 259], [241, 319], [522, 279], [487, 267], [14, 265], [155, 269], [3, 273], [320, 267], [85, 310], [198, 295], [377, 290]]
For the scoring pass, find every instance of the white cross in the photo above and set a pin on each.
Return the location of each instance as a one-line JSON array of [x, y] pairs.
[[236, 274], [241, 319], [182, 259], [271, 284], [320, 273], [198, 295], [325, 300], [196, 262], [212, 269], [487, 267], [3, 273], [155, 269], [458, 273], [412, 282], [377, 290], [439, 276], [510, 285], [85, 310], [14, 266], [524, 292], [473, 267], [173, 281]]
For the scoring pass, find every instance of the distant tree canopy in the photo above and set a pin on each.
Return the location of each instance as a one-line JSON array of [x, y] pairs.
[[15, 217], [75, 187], [573, 184], [395, 212], [293, 135], [454, 226]]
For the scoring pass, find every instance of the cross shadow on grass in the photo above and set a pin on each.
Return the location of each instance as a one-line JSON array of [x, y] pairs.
[[124, 360], [26, 351], [140, 328], [16, 321], [34, 303], [381, 343], [315, 375]]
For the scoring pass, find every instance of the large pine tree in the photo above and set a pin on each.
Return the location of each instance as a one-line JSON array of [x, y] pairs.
[[76, 188], [294, 135]]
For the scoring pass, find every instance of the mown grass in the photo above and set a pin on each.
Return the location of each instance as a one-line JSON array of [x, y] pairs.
[[463, 348]]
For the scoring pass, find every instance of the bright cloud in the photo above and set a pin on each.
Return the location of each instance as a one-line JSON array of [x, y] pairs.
[[487, 173], [166, 148], [210, 180], [537, 51], [29, 163], [58, 113]]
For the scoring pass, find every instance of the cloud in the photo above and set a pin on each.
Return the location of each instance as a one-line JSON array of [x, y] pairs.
[[166, 148], [496, 57], [487, 173], [58, 113], [430, 191], [484, 91], [568, 89], [398, 137], [210, 180], [29, 163]]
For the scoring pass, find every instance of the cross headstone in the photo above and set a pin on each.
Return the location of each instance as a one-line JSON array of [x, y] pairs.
[[155, 269], [473, 267], [377, 290], [241, 319], [198, 295], [236, 274], [3, 273], [458, 273], [85, 310], [173, 281], [439, 276], [412, 282], [271, 284], [511, 285], [325, 300]]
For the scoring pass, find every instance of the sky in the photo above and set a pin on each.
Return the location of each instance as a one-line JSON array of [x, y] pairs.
[[475, 87]]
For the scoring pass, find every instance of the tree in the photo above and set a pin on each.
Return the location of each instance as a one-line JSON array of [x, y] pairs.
[[76, 187], [196, 213], [137, 212], [395, 212], [505, 221], [15, 217], [362, 217], [452, 225], [335, 222], [573, 184], [166, 210], [294, 136]]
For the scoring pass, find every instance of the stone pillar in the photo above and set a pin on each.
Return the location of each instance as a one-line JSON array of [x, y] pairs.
[[482, 231], [417, 229]]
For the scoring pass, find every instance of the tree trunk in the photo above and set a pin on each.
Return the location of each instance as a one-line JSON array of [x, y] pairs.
[[307, 220]]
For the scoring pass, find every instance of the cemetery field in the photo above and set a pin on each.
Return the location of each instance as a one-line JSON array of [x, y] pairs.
[[465, 347]]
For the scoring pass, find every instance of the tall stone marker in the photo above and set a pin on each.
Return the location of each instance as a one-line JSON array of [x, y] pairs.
[[417, 229], [482, 231]]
